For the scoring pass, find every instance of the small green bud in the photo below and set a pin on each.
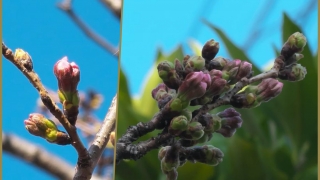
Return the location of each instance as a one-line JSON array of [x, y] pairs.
[[193, 132], [293, 72], [162, 152], [194, 63], [294, 44], [177, 125]]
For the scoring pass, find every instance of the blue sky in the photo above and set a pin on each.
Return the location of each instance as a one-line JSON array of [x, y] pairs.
[[150, 24], [48, 34]]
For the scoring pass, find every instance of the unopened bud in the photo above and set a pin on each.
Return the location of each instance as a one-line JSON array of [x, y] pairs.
[[177, 125], [194, 63], [193, 132], [294, 44], [24, 58], [168, 74], [230, 120], [208, 154], [293, 72], [217, 63], [194, 86], [210, 50]]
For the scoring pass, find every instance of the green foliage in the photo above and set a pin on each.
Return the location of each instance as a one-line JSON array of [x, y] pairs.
[[277, 140]]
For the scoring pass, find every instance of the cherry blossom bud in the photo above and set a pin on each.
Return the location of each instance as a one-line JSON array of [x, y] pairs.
[[293, 72], [68, 75], [210, 50], [38, 125], [24, 58]]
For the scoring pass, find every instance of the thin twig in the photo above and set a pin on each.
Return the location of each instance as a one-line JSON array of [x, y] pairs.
[[66, 7], [114, 6], [100, 141], [37, 156], [50, 104]]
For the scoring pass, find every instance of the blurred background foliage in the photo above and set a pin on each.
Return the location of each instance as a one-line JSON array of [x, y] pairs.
[[277, 140]]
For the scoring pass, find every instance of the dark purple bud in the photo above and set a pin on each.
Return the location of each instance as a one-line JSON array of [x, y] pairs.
[[210, 50], [230, 120], [162, 94], [217, 63], [294, 58], [207, 154], [179, 67]]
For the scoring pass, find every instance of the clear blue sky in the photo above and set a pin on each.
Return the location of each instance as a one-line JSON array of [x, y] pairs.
[[150, 24], [48, 34]]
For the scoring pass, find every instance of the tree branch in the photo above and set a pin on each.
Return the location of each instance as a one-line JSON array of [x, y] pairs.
[[34, 79], [66, 7], [100, 142]]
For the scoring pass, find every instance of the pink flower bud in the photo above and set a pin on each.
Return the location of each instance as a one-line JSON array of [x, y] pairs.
[[217, 83], [268, 89], [68, 75], [194, 86]]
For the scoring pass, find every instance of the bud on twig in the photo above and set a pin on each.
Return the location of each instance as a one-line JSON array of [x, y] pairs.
[[293, 72], [24, 58], [294, 44], [230, 120], [210, 50], [207, 154], [194, 63], [168, 74], [68, 76], [40, 126]]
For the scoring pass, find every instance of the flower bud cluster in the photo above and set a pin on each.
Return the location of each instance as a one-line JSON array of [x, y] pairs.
[[213, 81], [290, 52]]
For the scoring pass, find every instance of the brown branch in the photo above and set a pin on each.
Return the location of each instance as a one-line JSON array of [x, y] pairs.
[[114, 6], [66, 7], [100, 141], [37, 156], [34, 79]]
